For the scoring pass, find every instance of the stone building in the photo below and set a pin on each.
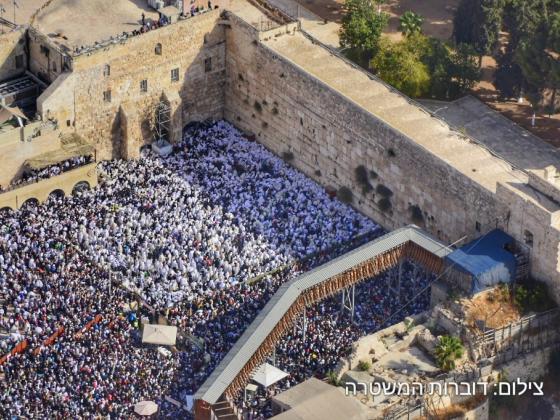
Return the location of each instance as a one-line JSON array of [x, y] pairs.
[[397, 161]]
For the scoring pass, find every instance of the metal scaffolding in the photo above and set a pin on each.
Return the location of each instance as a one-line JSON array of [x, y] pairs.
[[163, 119]]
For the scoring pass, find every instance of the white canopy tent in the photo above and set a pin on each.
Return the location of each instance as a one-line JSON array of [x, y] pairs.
[[159, 334], [145, 408], [267, 375]]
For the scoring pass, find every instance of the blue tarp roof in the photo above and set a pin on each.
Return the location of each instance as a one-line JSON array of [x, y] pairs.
[[486, 259]]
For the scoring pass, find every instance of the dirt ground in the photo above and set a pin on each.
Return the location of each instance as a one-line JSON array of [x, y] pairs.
[[492, 307], [546, 127], [438, 14]]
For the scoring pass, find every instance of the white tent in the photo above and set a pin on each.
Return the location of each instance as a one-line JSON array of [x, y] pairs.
[[145, 408], [268, 375], [159, 334]]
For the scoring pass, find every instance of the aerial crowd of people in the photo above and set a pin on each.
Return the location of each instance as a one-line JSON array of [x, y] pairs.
[[204, 236]]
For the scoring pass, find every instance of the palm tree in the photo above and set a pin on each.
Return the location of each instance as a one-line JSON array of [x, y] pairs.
[[410, 23], [448, 350]]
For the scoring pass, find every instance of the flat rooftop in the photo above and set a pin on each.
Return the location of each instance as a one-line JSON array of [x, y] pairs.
[[83, 22], [506, 138], [63, 21]]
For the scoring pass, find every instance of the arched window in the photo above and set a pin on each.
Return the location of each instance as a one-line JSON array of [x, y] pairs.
[[158, 49]]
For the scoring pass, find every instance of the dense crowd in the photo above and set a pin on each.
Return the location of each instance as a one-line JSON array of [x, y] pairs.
[[185, 233], [329, 333]]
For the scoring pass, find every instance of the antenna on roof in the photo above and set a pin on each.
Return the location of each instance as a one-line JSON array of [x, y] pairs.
[[15, 6]]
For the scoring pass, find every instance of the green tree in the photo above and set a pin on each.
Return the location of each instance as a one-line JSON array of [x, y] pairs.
[[464, 71], [520, 20], [400, 65], [478, 23], [448, 350], [410, 23], [361, 29], [539, 61], [453, 70]]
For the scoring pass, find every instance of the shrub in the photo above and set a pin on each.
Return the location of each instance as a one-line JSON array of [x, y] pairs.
[[275, 111], [391, 153], [409, 324], [318, 172], [372, 174], [258, 106], [532, 296], [288, 156], [383, 191], [364, 365], [345, 195], [367, 188], [332, 379], [416, 214], [361, 175], [384, 204], [447, 351]]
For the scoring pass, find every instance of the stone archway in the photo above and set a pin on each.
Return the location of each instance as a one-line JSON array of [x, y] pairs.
[[80, 187], [30, 202], [58, 193]]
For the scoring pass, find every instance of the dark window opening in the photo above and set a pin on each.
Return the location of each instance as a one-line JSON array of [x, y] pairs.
[[158, 49], [528, 237], [107, 96], [208, 64], [175, 75], [107, 70], [19, 61], [144, 86]]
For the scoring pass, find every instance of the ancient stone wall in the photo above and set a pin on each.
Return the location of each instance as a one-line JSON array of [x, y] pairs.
[[18, 145], [12, 54], [46, 60], [329, 138], [105, 87]]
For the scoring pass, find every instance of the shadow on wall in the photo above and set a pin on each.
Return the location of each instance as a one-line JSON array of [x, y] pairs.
[[196, 95], [11, 66]]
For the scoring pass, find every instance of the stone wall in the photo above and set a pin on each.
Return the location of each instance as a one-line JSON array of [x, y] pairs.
[[12, 45], [80, 100], [330, 137], [46, 60], [16, 146]]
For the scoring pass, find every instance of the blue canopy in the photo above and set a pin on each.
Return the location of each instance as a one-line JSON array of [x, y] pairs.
[[486, 260]]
